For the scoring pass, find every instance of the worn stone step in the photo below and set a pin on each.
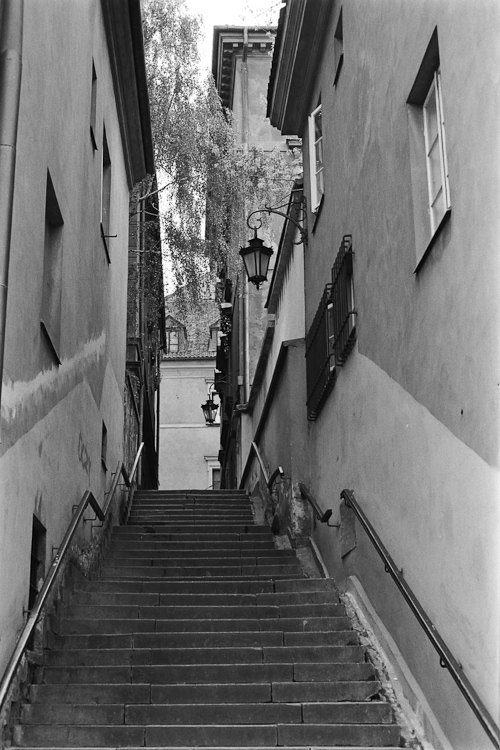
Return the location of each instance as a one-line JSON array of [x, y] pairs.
[[170, 674], [235, 612], [171, 640], [111, 626], [203, 655], [95, 598], [233, 747], [210, 551], [208, 562], [189, 572], [353, 682], [208, 735], [104, 693], [203, 529], [194, 533], [338, 734], [206, 714], [151, 543], [247, 586]]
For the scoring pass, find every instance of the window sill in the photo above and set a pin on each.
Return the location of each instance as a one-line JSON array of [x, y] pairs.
[[444, 221]]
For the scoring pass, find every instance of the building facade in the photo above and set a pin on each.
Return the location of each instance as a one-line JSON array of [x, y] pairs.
[[189, 447], [75, 139], [388, 384]]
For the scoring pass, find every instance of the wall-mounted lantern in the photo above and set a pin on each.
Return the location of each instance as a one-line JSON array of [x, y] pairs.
[[256, 255], [210, 409]]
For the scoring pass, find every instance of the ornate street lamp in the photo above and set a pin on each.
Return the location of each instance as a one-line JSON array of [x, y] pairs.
[[256, 255], [210, 409]]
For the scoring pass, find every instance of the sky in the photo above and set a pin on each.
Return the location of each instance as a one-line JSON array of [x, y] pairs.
[[232, 12]]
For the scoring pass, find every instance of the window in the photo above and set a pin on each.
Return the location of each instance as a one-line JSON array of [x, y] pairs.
[[172, 341], [435, 152], [338, 48], [50, 314], [332, 335], [214, 338], [105, 192], [93, 108], [428, 160], [104, 446], [316, 157]]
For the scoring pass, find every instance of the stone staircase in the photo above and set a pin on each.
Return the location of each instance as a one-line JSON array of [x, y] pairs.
[[200, 633]]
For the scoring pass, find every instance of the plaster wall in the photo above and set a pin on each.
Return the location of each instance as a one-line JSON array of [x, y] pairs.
[[434, 503], [52, 413], [186, 442], [427, 330]]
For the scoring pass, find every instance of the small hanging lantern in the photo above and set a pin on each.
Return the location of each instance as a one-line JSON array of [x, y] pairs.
[[256, 259], [210, 409]]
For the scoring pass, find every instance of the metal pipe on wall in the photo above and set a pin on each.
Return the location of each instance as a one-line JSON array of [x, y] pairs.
[[11, 42]]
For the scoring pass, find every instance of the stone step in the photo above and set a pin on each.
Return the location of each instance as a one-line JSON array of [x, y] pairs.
[[297, 585], [231, 747], [246, 735], [202, 530], [190, 572], [197, 562], [193, 534], [222, 712], [164, 612], [205, 639], [151, 543], [162, 552], [96, 598], [166, 674], [145, 656], [92, 626], [265, 692]]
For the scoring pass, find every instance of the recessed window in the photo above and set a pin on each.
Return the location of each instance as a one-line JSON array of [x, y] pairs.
[[37, 560], [428, 158], [172, 341], [213, 341], [316, 157], [435, 152], [104, 446], [93, 108], [50, 314], [338, 48], [105, 193]]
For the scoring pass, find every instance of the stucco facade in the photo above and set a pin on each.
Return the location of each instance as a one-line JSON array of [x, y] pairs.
[[409, 419], [81, 146]]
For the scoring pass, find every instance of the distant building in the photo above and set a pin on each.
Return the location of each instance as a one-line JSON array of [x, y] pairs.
[[189, 448]]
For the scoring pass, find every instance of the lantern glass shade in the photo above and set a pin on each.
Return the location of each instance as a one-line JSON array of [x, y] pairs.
[[210, 409], [256, 258]]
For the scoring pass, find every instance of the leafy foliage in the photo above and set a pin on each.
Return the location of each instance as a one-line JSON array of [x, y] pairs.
[[207, 179]]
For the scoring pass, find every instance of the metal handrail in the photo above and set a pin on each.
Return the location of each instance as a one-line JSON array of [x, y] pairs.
[[446, 658], [34, 615], [261, 462], [323, 517]]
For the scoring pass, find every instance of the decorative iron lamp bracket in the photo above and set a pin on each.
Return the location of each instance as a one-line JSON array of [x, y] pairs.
[[301, 204]]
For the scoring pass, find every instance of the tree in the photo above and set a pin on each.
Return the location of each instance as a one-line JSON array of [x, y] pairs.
[[206, 178]]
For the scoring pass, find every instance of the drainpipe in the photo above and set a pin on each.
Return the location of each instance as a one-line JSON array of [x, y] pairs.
[[11, 42], [245, 136]]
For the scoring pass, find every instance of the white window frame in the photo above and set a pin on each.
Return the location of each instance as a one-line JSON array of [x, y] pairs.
[[438, 143], [316, 166]]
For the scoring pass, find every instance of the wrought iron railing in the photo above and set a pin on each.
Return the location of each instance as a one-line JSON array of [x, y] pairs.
[[51, 577], [446, 658], [321, 516]]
